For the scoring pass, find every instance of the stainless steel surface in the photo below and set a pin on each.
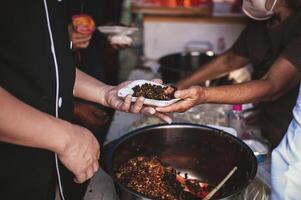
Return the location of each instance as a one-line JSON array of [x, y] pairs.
[[176, 66], [204, 153]]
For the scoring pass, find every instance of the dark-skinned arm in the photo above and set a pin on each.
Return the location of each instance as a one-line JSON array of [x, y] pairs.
[[281, 77], [218, 67]]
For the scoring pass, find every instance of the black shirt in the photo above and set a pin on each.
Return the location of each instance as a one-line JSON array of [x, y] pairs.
[[263, 43], [28, 71]]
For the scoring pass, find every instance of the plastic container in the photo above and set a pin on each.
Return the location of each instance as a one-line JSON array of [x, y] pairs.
[[260, 149], [236, 120]]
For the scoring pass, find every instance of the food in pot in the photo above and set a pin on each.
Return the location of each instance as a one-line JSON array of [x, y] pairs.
[[149, 177], [83, 23], [156, 92]]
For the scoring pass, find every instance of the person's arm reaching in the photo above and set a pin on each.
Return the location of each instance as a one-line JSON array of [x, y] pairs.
[[90, 89], [24, 125], [218, 67], [280, 78]]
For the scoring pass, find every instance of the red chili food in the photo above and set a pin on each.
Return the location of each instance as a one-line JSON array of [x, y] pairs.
[[149, 177]]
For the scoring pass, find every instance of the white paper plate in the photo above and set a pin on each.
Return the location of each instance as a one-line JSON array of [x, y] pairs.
[[117, 30], [128, 90]]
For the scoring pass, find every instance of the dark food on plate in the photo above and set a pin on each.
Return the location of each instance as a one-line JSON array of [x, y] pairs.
[[156, 92], [147, 176]]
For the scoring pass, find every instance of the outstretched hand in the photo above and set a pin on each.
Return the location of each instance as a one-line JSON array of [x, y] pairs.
[[126, 105], [189, 97]]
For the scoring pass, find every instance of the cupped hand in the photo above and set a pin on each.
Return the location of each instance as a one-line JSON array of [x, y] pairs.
[[126, 104], [189, 97], [81, 153]]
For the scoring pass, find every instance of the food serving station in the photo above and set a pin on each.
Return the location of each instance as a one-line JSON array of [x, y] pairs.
[[198, 143], [126, 126]]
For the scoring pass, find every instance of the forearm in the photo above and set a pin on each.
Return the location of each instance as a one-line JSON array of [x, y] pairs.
[[23, 125], [253, 91], [214, 69], [89, 88], [281, 77]]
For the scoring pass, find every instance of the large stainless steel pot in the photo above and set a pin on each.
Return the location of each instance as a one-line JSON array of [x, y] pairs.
[[176, 66], [204, 153]]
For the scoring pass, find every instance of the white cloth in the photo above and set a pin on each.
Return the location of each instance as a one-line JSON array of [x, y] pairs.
[[286, 161]]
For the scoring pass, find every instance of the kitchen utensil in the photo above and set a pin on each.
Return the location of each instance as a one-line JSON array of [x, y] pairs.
[[210, 195], [174, 67]]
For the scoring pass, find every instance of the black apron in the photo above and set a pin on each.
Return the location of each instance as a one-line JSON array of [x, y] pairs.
[[28, 72]]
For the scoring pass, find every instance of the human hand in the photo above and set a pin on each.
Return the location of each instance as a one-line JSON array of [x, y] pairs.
[[81, 153], [89, 115], [79, 40], [189, 97], [126, 105], [180, 85]]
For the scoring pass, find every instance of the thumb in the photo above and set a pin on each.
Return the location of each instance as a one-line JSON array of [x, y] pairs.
[[123, 84], [182, 94], [148, 111], [159, 81]]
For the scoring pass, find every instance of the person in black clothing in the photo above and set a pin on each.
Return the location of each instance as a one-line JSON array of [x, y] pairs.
[[38, 81], [97, 57], [272, 43]]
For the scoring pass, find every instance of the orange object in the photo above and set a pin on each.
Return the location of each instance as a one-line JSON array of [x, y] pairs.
[[180, 179], [83, 23], [187, 3]]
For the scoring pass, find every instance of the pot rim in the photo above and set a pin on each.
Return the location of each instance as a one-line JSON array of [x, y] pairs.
[[113, 145]]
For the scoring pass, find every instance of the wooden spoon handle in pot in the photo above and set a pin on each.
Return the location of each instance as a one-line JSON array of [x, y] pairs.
[[210, 195]]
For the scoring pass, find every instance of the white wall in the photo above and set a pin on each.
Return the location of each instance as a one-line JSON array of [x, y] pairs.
[[165, 37]]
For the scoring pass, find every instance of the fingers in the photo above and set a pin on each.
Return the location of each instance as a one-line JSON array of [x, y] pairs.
[[88, 174], [181, 106], [152, 111], [136, 108], [164, 117], [182, 94], [80, 41], [159, 81], [81, 38], [95, 167], [126, 104], [192, 92], [148, 110], [190, 97], [80, 178]]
